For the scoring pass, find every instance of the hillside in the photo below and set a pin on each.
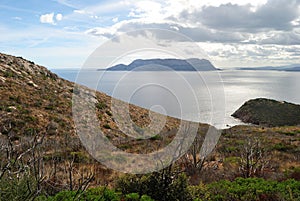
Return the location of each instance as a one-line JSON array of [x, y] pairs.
[[42, 155], [33, 98], [269, 113], [37, 104], [166, 65]]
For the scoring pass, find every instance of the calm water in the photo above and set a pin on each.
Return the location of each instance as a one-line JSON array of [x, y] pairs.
[[208, 97]]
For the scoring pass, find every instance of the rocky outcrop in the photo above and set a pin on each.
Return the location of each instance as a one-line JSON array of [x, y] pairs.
[[269, 112]]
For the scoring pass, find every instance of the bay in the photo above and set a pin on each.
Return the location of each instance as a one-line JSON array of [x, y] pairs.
[[207, 97]]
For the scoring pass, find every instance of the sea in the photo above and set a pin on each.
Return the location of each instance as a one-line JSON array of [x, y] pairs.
[[207, 97]]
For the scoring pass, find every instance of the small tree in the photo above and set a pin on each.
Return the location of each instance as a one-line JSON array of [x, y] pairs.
[[253, 158], [21, 165], [201, 148], [193, 162]]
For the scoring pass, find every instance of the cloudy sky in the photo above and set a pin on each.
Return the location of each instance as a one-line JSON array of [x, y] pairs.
[[233, 33]]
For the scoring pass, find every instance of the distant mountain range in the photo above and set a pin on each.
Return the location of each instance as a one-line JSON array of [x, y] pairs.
[[293, 67], [193, 64]]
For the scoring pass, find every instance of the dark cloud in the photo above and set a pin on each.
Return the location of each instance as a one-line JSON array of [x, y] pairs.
[[197, 34], [201, 34], [274, 15], [270, 24]]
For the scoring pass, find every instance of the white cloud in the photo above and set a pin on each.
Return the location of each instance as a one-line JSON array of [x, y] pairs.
[[115, 20], [17, 18], [67, 3], [80, 11], [59, 17], [146, 9], [47, 18], [51, 18]]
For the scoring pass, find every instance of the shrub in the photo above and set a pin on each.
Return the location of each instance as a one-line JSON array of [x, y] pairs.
[[132, 197], [253, 189], [136, 197], [101, 105], [281, 147], [162, 186], [107, 126], [156, 137], [95, 194], [146, 198], [15, 189]]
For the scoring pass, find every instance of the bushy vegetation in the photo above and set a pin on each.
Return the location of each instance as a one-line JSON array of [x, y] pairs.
[[250, 189], [15, 189], [163, 185], [95, 194]]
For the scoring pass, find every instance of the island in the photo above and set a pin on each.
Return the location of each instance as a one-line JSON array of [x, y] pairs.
[[193, 64], [289, 68]]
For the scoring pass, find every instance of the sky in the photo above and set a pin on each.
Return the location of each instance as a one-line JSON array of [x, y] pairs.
[[233, 33]]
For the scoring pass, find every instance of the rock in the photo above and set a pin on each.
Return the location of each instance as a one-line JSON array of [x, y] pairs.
[[31, 83], [12, 107], [2, 79], [52, 128]]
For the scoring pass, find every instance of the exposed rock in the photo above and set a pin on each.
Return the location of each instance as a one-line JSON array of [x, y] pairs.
[[12, 108], [31, 83], [2, 79]]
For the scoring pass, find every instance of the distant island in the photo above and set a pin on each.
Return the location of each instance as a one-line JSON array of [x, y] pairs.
[[192, 64], [267, 112], [290, 68]]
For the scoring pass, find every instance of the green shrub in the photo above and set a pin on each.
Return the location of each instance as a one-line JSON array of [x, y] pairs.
[[94, 194], [162, 186], [253, 189], [107, 126], [282, 147], [101, 105], [146, 198], [15, 189], [199, 192], [137, 197], [156, 137], [132, 197]]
